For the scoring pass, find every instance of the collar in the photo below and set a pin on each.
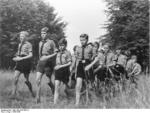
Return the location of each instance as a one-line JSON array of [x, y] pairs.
[[118, 55], [45, 40], [23, 42], [62, 51], [84, 46]]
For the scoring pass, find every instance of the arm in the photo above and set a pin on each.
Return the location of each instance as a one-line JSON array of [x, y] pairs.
[[73, 63], [136, 71], [51, 45], [28, 56], [65, 65], [44, 57], [68, 62], [92, 64]]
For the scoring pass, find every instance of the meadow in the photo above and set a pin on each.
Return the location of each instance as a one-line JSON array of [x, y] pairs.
[[132, 98]]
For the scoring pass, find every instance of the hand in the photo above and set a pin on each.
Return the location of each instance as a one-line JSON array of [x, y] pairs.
[[87, 68], [71, 69], [17, 58], [57, 67], [43, 58]]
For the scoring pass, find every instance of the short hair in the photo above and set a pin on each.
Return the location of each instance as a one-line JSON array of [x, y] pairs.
[[45, 29], [85, 36], [25, 33], [62, 41]]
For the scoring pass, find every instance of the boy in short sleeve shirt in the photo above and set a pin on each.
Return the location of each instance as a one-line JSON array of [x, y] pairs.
[[62, 68]]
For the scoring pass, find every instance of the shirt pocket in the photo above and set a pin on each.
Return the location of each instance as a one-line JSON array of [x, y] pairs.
[[64, 58], [25, 50], [88, 53]]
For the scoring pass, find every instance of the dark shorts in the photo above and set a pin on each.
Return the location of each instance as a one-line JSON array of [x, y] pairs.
[[73, 76], [103, 74], [46, 67], [81, 71], [24, 66], [62, 74], [118, 71]]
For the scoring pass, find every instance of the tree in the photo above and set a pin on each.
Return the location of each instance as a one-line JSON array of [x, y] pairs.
[[128, 26], [30, 15]]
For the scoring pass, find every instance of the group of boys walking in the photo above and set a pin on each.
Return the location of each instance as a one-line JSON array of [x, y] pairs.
[[86, 58]]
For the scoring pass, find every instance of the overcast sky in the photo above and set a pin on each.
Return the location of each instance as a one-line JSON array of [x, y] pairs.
[[82, 16]]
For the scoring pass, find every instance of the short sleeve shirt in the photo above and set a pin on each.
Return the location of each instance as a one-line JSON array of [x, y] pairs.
[[88, 53], [48, 47], [107, 59], [63, 57], [121, 60], [25, 48]]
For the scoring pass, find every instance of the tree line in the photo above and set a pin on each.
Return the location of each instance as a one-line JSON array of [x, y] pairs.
[[128, 27], [29, 15]]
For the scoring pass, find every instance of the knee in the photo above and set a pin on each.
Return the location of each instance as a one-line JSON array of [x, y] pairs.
[[56, 89], [78, 87]]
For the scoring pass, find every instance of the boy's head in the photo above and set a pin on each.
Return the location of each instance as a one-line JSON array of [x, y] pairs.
[[118, 51], [23, 36], [106, 48], [62, 44], [84, 39], [44, 33], [127, 52], [134, 58]]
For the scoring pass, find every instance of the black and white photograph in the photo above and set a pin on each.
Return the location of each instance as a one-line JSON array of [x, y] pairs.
[[74, 54]]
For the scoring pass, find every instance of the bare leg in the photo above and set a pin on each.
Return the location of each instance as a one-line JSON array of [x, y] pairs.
[[49, 74], [17, 75], [56, 93], [38, 83], [28, 83], [50, 84], [66, 89], [78, 89]]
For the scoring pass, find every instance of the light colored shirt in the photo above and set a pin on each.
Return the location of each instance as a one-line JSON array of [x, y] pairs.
[[87, 53], [133, 68], [121, 59], [63, 57], [25, 48], [105, 59], [46, 47]]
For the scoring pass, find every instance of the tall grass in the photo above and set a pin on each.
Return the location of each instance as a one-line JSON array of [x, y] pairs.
[[131, 98]]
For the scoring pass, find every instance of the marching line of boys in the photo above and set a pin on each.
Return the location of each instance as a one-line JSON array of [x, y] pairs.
[[61, 63]]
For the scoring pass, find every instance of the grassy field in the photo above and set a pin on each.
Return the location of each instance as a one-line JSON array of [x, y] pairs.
[[133, 98]]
